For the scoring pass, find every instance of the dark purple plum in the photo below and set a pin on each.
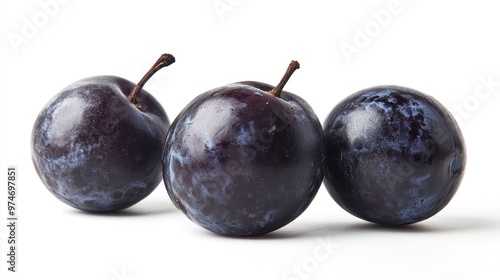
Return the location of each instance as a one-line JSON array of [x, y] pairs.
[[394, 156], [244, 159], [97, 144]]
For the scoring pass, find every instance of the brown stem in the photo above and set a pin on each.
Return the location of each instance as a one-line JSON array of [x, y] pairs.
[[164, 60], [294, 65]]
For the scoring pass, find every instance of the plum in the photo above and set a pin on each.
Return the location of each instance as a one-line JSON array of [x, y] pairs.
[[97, 144], [244, 159], [394, 156]]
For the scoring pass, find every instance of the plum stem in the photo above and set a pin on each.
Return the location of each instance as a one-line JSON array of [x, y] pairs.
[[294, 65], [164, 60]]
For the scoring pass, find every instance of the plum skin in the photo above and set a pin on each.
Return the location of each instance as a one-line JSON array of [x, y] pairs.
[[239, 161], [94, 150], [394, 156]]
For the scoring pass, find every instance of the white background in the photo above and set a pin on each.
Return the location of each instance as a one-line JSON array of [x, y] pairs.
[[446, 49]]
